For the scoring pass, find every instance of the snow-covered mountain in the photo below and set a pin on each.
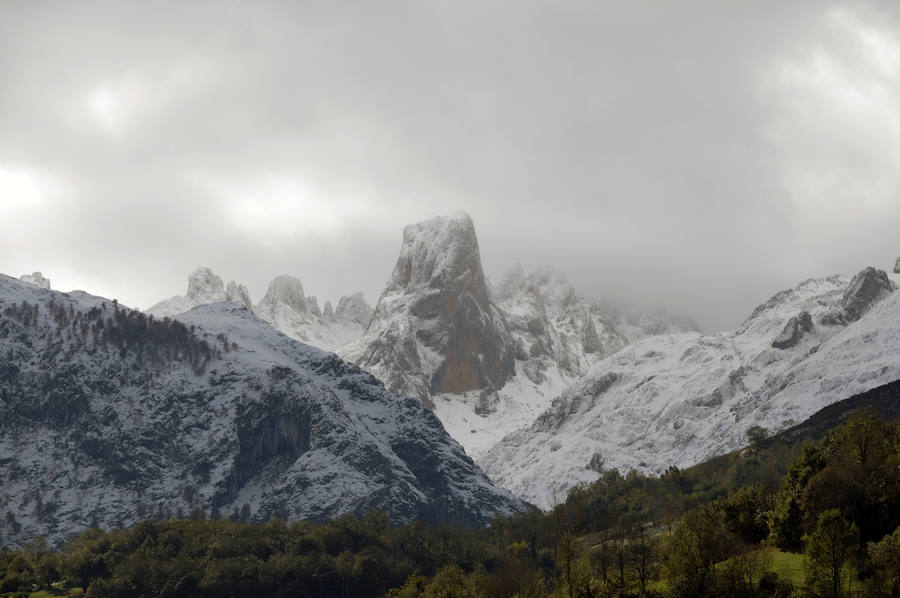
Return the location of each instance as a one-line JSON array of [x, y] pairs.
[[108, 416], [487, 358], [285, 306], [677, 399]]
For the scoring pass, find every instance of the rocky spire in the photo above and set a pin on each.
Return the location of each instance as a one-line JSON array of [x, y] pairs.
[[204, 286], [238, 293], [286, 290], [354, 309], [435, 328], [37, 279]]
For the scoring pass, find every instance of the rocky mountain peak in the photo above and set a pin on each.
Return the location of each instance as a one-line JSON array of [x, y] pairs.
[[204, 286], [285, 290], [437, 254], [897, 266], [435, 321], [353, 309], [37, 279], [238, 293]]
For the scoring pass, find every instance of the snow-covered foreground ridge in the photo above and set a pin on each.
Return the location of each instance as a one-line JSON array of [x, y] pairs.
[[679, 399], [108, 417]]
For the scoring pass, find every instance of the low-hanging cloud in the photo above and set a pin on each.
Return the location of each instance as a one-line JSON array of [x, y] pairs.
[[697, 156]]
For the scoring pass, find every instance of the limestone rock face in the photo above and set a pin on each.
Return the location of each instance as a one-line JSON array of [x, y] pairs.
[[561, 330], [435, 328], [312, 304], [793, 331], [36, 278], [354, 309], [204, 286], [238, 293], [866, 289], [285, 291]]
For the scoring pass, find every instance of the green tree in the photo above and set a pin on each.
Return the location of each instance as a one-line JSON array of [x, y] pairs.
[[828, 551], [696, 545], [787, 518], [756, 434], [884, 557]]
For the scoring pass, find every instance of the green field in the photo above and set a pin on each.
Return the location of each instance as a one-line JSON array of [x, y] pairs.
[[788, 565]]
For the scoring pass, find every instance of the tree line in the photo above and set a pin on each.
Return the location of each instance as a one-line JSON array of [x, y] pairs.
[[696, 532]]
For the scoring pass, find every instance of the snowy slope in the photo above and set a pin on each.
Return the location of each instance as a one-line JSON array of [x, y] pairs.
[[678, 399], [108, 417], [558, 336]]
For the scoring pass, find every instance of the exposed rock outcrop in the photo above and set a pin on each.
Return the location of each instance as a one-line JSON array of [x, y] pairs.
[[353, 309], [435, 328], [204, 286], [312, 304], [284, 292], [866, 289], [560, 330], [37, 279], [897, 266], [793, 331], [238, 293]]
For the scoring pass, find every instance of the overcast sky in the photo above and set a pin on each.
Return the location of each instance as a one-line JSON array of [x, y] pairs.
[[697, 156]]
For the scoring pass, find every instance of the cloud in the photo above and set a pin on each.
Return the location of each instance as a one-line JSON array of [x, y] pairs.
[[698, 156]]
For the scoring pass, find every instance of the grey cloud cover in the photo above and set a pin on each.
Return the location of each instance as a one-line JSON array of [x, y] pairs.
[[693, 155]]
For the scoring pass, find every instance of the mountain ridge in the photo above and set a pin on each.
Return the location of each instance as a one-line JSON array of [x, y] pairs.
[[678, 399], [108, 416]]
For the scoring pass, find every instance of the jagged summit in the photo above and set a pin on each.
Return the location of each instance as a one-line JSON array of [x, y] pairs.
[[436, 253], [288, 309], [284, 290], [36, 278], [897, 266], [435, 328], [285, 306], [204, 286], [238, 293], [352, 309]]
